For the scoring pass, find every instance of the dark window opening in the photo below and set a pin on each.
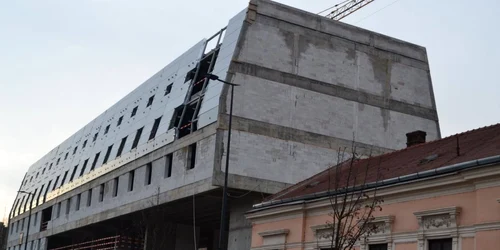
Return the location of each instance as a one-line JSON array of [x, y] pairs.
[[37, 175], [74, 150], [101, 192], [22, 224], [134, 111], [95, 136], [55, 183], [119, 121], [191, 156], [440, 244], [149, 168], [150, 101], [68, 205], [89, 198], [115, 187], [168, 89], [46, 191], [58, 210], [57, 163], [131, 176], [188, 123], [43, 171], [176, 117], [66, 156], [73, 174], [205, 67], [77, 204], [122, 145], [35, 219], [137, 138], [84, 166], [25, 204], [33, 198], [50, 166], [94, 163], [46, 217], [64, 177], [39, 195], [31, 179], [377, 247], [106, 130], [106, 156], [155, 128], [84, 144], [168, 165]]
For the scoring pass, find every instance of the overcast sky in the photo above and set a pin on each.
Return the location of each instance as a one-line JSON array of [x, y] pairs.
[[62, 63]]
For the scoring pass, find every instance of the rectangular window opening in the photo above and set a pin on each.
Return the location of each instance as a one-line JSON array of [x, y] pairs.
[[440, 244], [168, 165], [46, 191], [66, 156], [55, 183], [106, 130], [94, 163], [131, 176], [57, 163], [84, 144], [101, 192], [39, 195], [188, 123], [89, 198], [149, 168], [377, 247], [84, 166], [115, 187], [64, 177], [155, 128], [191, 156], [75, 149], [78, 199], [120, 148], [68, 205], [58, 210], [137, 138], [95, 137], [106, 156]]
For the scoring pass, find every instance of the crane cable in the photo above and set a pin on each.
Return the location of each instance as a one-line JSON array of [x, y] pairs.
[[336, 5]]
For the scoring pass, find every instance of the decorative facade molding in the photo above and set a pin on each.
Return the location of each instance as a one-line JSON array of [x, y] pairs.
[[274, 232], [275, 238], [381, 234], [437, 223]]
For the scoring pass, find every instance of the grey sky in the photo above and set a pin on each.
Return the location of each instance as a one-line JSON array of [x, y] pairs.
[[63, 62]]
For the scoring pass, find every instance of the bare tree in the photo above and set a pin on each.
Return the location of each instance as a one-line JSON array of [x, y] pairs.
[[352, 201]]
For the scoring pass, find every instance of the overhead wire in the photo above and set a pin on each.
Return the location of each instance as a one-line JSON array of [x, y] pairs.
[[333, 6], [376, 12]]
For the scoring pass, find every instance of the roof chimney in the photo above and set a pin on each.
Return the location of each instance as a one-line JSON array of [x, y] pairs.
[[415, 137]]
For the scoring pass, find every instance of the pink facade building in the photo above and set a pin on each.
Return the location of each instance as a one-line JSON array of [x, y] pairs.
[[439, 195]]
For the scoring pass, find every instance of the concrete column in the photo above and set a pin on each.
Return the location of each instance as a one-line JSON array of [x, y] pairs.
[[240, 229]]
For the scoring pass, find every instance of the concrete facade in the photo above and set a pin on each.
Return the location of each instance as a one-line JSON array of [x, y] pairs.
[[309, 87]]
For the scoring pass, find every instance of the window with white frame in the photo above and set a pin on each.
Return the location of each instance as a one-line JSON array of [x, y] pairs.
[[438, 229]]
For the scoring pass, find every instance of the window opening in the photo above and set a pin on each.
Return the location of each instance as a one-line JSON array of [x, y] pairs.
[[94, 163], [149, 168], [77, 204], [84, 144], [168, 89], [84, 166], [137, 138], [150, 101], [115, 187], [131, 176], [55, 183], [95, 137], [106, 156], [168, 165], [57, 163], [155, 128], [64, 177], [68, 205], [50, 166], [377, 247], [122, 145], [107, 129], [40, 194], [89, 198], [101, 192], [134, 111], [43, 171], [73, 174], [440, 244], [66, 156], [191, 156], [74, 150], [119, 121], [46, 191], [58, 210]]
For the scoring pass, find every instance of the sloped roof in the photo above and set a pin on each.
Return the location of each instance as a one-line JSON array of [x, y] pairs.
[[463, 147]]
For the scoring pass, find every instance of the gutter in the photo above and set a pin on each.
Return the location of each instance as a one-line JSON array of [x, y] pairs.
[[392, 181]]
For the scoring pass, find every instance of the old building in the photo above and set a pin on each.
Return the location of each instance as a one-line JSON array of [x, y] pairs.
[[440, 195], [308, 86]]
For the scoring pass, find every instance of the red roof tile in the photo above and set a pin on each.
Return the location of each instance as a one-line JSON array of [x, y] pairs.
[[474, 144]]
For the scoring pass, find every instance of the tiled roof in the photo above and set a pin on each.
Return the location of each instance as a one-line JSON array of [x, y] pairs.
[[472, 145]]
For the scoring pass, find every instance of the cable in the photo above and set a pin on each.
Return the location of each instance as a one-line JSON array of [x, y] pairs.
[[333, 6], [376, 12]]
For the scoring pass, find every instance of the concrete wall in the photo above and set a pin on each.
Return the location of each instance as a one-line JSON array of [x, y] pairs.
[[300, 73]]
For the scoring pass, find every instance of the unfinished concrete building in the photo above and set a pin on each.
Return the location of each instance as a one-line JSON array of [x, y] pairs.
[[147, 173]]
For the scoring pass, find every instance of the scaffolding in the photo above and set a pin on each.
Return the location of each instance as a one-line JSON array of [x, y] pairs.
[[115, 242]]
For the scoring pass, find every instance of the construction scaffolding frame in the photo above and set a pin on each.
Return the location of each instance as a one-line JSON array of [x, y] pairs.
[[108, 243]]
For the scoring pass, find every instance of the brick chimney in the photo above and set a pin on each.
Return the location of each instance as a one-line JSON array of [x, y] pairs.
[[415, 137]]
